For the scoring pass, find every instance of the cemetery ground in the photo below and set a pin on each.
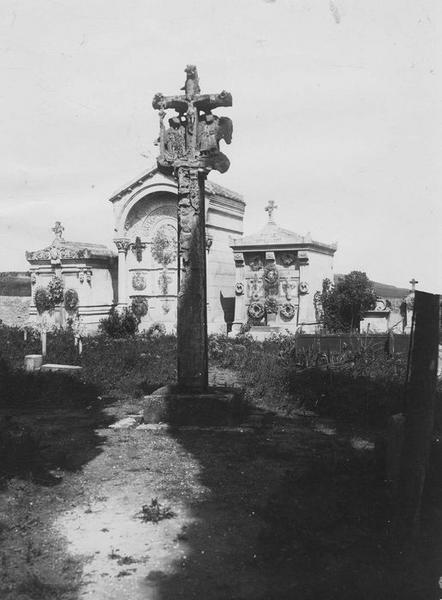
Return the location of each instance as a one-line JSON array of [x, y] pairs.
[[288, 502]]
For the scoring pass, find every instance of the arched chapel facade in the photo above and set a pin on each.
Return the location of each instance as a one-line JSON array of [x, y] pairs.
[[145, 235]]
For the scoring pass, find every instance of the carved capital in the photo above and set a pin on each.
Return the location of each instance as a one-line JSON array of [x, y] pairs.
[[122, 244]]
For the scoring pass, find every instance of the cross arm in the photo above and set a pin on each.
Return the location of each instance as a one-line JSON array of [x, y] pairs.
[[179, 103], [208, 102]]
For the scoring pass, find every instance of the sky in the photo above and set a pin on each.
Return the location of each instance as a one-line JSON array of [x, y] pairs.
[[336, 110]]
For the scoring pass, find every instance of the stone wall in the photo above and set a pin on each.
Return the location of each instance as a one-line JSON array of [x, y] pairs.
[[14, 310], [15, 297]]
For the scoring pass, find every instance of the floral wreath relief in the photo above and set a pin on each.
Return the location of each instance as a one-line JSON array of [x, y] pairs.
[[287, 311], [256, 310], [71, 300]]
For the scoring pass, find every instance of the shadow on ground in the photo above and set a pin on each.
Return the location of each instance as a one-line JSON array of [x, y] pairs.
[[289, 512], [47, 431], [47, 423]]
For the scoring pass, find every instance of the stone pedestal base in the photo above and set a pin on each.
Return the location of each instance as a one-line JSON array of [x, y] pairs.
[[236, 327], [71, 369], [33, 362], [262, 332], [217, 406]]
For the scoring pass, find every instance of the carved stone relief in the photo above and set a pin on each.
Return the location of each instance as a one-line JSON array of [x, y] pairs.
[[139, 281], [164, 245], [256, 262]]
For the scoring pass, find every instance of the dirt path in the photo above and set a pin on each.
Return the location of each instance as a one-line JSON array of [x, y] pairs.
[[213, 530], [120, 549], [243, 511]]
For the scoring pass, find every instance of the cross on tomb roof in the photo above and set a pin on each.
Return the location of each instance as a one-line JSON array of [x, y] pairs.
[[58, 230], [413, 284], [271, 206]]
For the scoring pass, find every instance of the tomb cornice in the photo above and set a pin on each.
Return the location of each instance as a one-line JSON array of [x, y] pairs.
[[316, 247]]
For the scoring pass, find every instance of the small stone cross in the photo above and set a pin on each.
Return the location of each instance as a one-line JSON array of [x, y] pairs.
[[58, 230], [413, 284], [271, 206], [138, 248]]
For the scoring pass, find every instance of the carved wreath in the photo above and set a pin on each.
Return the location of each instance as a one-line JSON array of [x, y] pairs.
[[140, 306], [303, 287], [271, 305], [239, 288], [42, 300], [71, 300], [287, 311], [256, 310], [271, 277], [164, 245]]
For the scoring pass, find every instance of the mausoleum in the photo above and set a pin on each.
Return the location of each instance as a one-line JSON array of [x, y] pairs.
[[142, 270], [278, 273], [86, 269], [145, 228]]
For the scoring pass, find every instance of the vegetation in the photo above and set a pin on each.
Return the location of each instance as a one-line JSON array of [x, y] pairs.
[[120, 324], [42, 300], [311, 508], [344, 303], [155, 512], [364, 384]]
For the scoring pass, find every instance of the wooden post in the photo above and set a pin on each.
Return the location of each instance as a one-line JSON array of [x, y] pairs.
[[419, 413]]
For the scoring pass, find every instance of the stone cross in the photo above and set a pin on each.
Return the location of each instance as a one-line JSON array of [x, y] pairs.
[[58, 230], [271, 206], [189, 149], [413, 284], [138, 248]]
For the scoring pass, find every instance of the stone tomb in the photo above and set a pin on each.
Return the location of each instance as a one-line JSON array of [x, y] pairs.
[[89, 269], [278, 273], [145, 217]]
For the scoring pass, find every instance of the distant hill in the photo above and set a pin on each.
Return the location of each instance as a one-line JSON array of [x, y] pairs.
[[384, 290], [15, 283]]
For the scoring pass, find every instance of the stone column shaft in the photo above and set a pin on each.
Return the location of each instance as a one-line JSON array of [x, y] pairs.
[[122, 246], [192, 295], [240, 316]]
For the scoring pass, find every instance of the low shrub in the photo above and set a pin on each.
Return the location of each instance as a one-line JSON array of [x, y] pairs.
[[365, 386], [129, 366], [119, 324], [156, 329], [13, 346]]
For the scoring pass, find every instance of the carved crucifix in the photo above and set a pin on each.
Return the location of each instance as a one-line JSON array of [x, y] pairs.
[[58, 230], [189, 149], [270, 208]]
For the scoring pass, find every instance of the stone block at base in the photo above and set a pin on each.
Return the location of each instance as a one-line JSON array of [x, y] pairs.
[[216, 406], [33, 362], [262, 332], [72, 369]]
